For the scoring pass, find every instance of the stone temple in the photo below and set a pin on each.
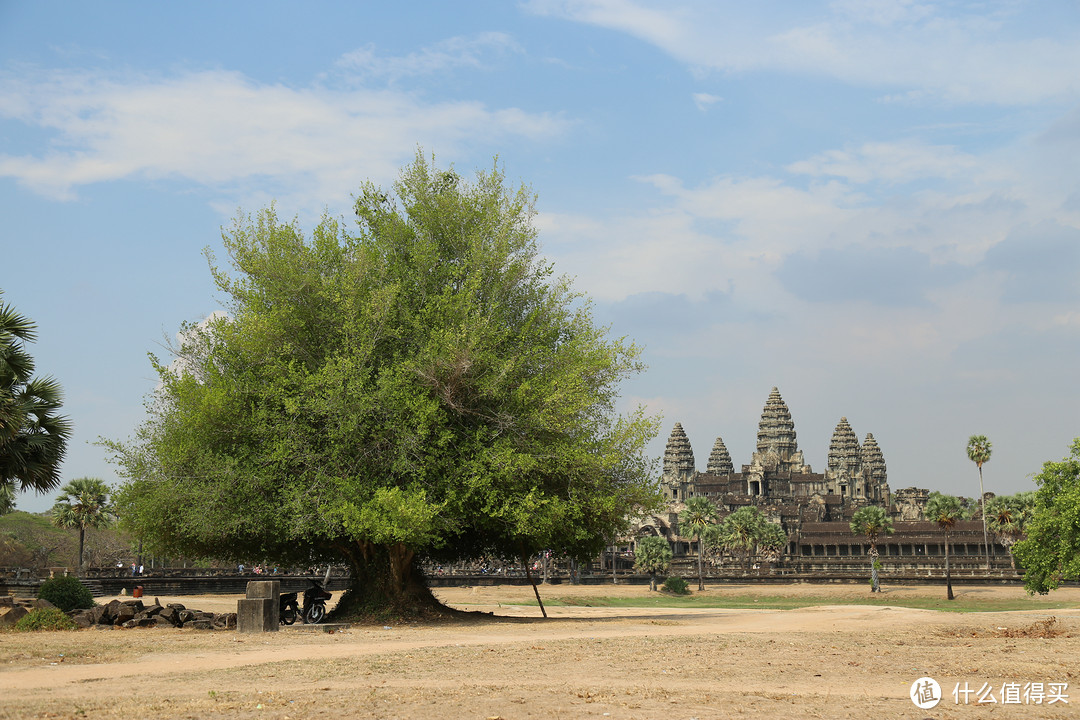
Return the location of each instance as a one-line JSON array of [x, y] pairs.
[[813, 508], [778, 475]]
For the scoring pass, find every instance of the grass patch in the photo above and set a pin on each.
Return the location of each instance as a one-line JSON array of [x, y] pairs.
[[720, 600]]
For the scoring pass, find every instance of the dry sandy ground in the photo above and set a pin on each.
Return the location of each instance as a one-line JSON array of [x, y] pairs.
[[827, 661]]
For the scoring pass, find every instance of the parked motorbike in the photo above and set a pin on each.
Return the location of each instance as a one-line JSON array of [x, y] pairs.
[[315, 598], [288, 608]]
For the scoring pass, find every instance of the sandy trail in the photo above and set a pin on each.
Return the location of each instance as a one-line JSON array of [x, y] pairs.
[[823, 661]]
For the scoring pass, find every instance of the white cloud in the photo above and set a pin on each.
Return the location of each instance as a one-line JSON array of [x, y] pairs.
[[911, 50], [892, 162], [223, 130], [443, 56], [704, 100]]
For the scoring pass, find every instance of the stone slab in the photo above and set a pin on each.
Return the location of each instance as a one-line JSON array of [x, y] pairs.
[[264, 589], [257, 615]]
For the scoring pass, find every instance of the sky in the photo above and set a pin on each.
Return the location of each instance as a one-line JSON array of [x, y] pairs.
[[873, 205]]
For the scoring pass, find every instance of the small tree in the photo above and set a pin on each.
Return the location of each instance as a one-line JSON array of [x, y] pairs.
[[1051, 551], [873, 522], [699, 514], [945, 511], [652, 554], [1008, 516], [84, 503], [978, 451], [747, 533]]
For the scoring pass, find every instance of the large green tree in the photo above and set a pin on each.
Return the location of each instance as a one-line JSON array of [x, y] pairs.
[[421, 388], [978, 451], [1051, 551], [33, 436], [873, 522], [83, 503], [699, 514], [945, 511]]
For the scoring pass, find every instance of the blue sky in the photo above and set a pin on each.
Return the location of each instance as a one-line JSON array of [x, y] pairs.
[[872, 204]]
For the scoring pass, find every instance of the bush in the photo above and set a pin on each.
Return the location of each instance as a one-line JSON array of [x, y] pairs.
[[66, 593], [45, 619], [676, 586]]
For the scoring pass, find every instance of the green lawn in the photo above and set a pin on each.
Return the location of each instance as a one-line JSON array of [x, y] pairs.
[[778, 602]]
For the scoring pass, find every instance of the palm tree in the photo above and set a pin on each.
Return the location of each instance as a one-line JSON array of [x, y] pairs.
[[945, 510], [652, 554], [32, 436], [83, 503], [872, 522], [741, 531], [978, 451], [1008, 516], [698, 515]]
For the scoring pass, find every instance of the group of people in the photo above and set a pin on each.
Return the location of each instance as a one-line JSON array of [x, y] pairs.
[[258, 570], [136, 569]]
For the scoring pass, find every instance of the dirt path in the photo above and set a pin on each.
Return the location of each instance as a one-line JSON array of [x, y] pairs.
[[842, 661]]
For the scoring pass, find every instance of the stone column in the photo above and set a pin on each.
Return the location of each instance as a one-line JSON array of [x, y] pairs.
[[258, 612]]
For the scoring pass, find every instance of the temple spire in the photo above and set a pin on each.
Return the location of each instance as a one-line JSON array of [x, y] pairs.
[[678, 456], [720, 460]]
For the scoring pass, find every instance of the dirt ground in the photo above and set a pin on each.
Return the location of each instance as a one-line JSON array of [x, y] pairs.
[[826, 661]]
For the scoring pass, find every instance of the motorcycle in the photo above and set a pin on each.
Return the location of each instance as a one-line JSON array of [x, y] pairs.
[[315, 598], [288, 609], [313, 611]]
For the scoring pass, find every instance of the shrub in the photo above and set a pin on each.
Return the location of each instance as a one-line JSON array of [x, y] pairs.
[[45, 619], [66, 593], [676, 586]]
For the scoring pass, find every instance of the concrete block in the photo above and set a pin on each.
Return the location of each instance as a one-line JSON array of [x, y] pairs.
[[257, 615], [264, 589]]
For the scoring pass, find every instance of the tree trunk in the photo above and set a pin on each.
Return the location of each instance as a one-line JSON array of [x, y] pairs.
[[614, 564], [386, 584], [82, 536], [700, 554], [536, 591], [652, 581], [874, 587], [982, 504], [948, 575]]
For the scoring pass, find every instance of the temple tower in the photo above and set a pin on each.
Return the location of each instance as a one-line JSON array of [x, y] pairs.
[[877, 487], [777, 449], [845, 462], [679, 467], [720, 460], [845, 457]]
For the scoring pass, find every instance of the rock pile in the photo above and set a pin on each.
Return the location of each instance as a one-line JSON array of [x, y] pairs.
[[125, 614]]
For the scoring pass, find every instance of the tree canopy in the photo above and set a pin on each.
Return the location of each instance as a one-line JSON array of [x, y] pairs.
[[1051, 551], [748, 534], [33, 437], [421, 388]]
